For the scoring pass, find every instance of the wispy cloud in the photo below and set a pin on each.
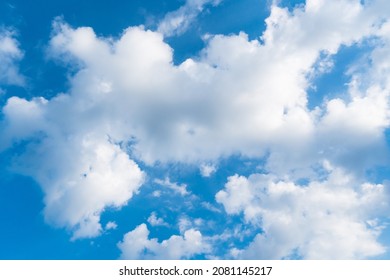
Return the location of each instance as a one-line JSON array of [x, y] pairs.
[[153, 220], [10, 55], [180, 189], [177, 22]]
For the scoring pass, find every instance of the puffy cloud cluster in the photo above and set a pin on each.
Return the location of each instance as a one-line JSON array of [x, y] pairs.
[[10, 55], [239, 96], [336, 218], [137, 245], [81, 176], [128, 101], [80, 169]]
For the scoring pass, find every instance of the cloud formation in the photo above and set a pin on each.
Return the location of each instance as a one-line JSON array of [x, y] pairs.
[[137, 245], [128, 102], [177, 22], [336, 218], [192, 109], [10, 55]]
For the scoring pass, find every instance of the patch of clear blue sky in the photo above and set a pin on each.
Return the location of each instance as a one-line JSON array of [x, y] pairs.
[[334, 83]]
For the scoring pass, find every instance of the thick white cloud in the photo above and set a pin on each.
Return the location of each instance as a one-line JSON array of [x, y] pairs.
[[81, 171], [137, 245], [239, 96], [81, 176], [10, 55], [331, 219]]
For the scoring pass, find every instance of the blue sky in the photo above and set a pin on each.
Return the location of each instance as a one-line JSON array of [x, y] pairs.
[[197, 129]]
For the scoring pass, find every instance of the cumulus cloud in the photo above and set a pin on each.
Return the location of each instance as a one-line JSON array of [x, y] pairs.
[[336, 218], [22, 119], [81, 177], [193, 107], [10, 55], [81, 174], [137, 245], [177, 22], [129, 102]]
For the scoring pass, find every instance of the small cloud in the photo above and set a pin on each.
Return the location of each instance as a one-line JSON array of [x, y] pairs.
[[136, 244], [180, 189], [156, 193], [111, 225], [210, 207], [186, 223], [10, 55], [206, 170], [153, 220], [177, 22]]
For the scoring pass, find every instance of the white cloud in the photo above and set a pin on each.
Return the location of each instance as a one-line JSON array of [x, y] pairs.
[[177, 22], [110, 225], [153, 220], [206, 170], [184, 224], [81, 172], [137, 245], [180, 189], [197, 102], [22, 119], [239, 96], [329, 219], [10, 55], [80, 179]]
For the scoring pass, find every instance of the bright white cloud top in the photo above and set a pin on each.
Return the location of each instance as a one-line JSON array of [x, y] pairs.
[[137, 245], [128, 102]]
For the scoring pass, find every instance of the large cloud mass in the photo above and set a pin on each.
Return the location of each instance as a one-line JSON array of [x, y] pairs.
[[129, 102], [239, 96]]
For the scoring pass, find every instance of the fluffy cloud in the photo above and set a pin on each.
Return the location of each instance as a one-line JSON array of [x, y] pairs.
[[81, 177], [137, 245], [191, 109], [335, 218], [22, 119], [127, 101], [153, 220], [110, 226], [81, 172], [10, 55], [206, 170]]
